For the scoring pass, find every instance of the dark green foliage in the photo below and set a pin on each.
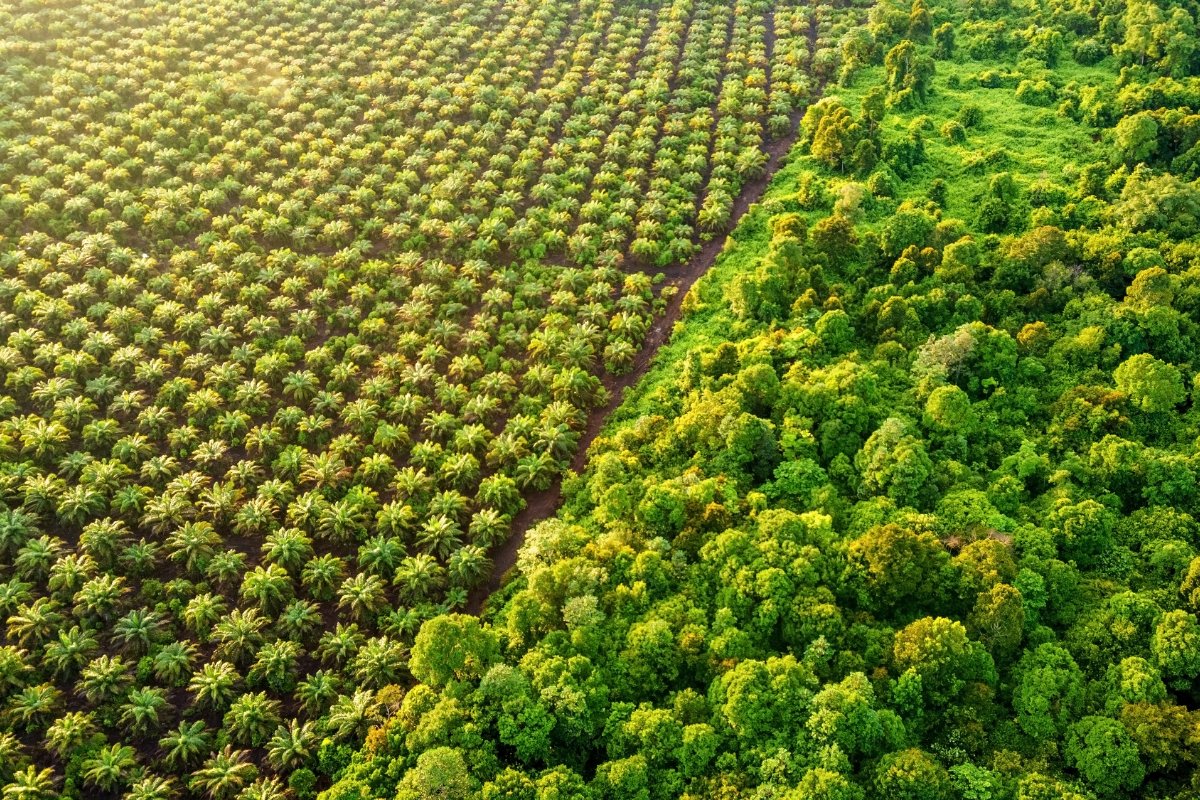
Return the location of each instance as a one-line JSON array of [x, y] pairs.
[[452, 648], [834, 135], [303, 782], [909, 75], [912, 775], [1105, 755], [1001, 209], [943, 40]]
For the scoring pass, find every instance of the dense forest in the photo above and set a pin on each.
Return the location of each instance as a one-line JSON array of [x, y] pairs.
[[302, 303], [907, 508]]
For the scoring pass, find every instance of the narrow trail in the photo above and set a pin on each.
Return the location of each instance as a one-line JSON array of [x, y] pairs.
[[544, 504]]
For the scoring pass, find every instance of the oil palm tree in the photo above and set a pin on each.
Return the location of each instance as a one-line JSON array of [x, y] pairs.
[[292, 745], [340, 644], [376, 469], [317, 691], [419, 577], [255, 516], [143, 710], [403, 623], [535, 471], [15, 668], [104, 678], [43, 439], [12, 755], [322, 575], [99, 598], [265, 788], [202, 612], [468, 565], [69, 575], [185, 745], [224, 775], [226, 568], [556, 440], [299, 620], [170, 510], [324, 471], [215, 684], [68, 732], [395, 518], [173, 662], [501, 493], [67, 654], [362, 595], [351, 715], [219, 502], [36, 556], [378, 662], [440, 536], [109, 768], [380, 555], [268, 587], [239, 634], [488, 528], [343, 521], [449, 503], [275, 664], [152, 787], [80, 503], [33, 706], [289, 548], [137, 630], [16, 527], [193, 545], [31, 783], [32, 624], [251, 718]]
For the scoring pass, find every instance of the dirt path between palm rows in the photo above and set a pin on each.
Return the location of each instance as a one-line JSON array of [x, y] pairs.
[[543, 505]]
